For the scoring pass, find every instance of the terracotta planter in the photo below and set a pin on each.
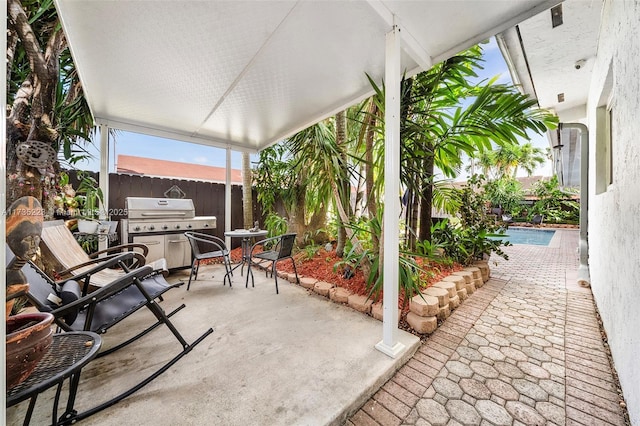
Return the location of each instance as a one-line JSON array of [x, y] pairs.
[[28, 339]]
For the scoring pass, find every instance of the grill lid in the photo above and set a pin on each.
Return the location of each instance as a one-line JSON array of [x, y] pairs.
[[157, 208]]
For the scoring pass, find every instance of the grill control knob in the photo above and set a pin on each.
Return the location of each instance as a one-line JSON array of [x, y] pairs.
[[137, 228], [177, 226], [165, 227], [189, 226], [206, 225], [151, 228]]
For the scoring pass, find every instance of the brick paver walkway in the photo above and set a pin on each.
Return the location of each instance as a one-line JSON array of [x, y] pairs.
[[523, 349]]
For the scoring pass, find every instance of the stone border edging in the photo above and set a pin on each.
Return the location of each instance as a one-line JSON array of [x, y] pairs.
[[426, 310]]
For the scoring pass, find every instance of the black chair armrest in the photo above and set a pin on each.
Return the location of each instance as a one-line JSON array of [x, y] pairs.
[[216, 242]]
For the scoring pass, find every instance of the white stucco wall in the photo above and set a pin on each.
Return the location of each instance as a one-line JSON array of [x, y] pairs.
[[614, 215]]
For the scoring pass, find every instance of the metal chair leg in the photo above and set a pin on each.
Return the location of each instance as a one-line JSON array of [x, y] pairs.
[[193, 268]]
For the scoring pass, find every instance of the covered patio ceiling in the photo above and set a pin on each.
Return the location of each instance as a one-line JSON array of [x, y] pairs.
[[246, 74]]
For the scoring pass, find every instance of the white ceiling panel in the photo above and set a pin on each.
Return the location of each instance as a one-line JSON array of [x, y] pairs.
[[248, 73]]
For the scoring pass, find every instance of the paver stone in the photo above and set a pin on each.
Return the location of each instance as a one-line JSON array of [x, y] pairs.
[[432, 412], [308, 282], [524, 413], [422, 324], [494, 413], [463, 412], [459, 281], [475, 388], [447, 388], [322, 288], [339, 294], [424, 305], [360, 303], [447, 285], [442, 295]]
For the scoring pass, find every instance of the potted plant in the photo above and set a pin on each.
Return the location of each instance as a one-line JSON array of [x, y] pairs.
[[89, 197]]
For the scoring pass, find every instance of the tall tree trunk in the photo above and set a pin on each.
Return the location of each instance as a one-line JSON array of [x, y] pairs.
[[247, 193], [412, 206], [372, 208], [342, 183], [37, 121], [427, 199]]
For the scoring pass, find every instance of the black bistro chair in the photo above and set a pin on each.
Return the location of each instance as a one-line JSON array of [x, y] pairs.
[[282, 247], [205, 246]]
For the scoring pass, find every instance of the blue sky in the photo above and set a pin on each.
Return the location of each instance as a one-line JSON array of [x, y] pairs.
[[139, 145]]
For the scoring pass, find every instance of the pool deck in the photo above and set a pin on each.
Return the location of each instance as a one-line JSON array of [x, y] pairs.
[[525, 349]]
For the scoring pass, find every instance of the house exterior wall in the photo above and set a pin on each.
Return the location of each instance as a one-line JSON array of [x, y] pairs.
[[614, 208]]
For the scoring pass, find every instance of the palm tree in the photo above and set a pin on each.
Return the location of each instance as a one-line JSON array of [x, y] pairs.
[[505, 160], [48, 111], [530, 157], [437, 128], [247, 193]]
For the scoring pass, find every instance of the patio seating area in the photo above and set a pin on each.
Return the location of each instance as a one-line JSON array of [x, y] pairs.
[[525, 348], [288, 358]]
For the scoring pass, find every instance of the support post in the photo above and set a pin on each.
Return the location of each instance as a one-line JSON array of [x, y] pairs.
[[103, 243], [389, 344], [227, 198]]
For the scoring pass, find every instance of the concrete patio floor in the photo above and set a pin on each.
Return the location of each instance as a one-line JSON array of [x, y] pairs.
[[291, 358], [525, 349]]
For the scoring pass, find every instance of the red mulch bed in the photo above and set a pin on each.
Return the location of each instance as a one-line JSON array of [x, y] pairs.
[[322, 267]]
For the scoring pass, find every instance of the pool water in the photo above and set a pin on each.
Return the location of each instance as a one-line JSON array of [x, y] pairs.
[[538, 237]]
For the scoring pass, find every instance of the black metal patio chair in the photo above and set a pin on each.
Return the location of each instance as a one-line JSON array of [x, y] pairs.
[[101, 309], [282, 247], [205, 246]]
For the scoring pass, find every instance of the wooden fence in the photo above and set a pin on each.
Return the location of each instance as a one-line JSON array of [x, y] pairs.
[[208, 197]]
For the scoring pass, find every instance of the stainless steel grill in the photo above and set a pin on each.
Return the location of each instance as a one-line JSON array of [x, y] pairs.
[[160, 224]]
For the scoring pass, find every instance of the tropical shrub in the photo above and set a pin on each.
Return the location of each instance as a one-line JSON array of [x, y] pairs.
[[472, 235], [553, 204], [505, 193], [275, 224]]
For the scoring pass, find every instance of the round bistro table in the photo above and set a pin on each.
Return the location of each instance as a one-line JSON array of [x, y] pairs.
[[247, 237]]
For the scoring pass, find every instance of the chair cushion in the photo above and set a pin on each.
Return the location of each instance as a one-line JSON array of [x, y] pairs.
[[68, 292]]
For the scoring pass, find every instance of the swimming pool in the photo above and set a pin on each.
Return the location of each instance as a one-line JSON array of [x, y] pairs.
[[538, 237]]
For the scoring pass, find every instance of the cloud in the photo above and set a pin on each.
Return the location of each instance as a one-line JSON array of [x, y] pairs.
[[201, 159]]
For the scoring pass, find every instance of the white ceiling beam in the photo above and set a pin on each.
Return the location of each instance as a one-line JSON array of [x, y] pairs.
[[244, 71], [184, 137], [407, 41]]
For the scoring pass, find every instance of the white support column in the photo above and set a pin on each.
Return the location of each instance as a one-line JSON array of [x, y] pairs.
[[103, 243], [389, 344], [227, 198]]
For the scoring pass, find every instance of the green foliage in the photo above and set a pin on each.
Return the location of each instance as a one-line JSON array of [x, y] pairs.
[[275, 224], [465, 245], [274, 177], [310, 251], [505, 193], [89, 196], [469, 239], [553, 204]]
